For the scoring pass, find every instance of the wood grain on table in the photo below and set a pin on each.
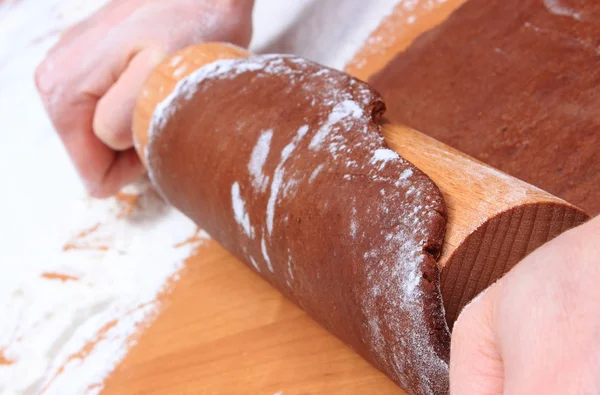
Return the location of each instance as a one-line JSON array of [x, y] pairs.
[[223, 330]]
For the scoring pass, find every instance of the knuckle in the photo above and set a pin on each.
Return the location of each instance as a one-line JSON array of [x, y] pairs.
[[99, 192], [45, 80], [96, 187], [112, 136]]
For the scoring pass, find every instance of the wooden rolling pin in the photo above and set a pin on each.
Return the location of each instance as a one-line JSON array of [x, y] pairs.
[[494, 220]]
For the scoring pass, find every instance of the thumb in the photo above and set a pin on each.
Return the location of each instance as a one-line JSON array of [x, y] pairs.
[[475, 363], [114, 112]]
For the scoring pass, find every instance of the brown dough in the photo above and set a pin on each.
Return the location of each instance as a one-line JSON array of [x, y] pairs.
[[514, 83], [281, 161]]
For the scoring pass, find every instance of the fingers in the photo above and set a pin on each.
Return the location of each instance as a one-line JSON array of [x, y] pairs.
[[124, 169], [70, 81], [90, 80], [535, 331], [475, 362], [547, 319], [112, 119]]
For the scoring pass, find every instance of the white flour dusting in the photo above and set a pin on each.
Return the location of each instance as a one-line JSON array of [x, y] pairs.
[[405, 174], [408, 273], [383, 155], [556, 7], [176, 60], [239, 210], [263, 249], [220, 69], [344, 109], [255, 264], [353, 224], [278, 176], [257, 160], [89, 302], [179, 71], [315, 173], [290, 269]]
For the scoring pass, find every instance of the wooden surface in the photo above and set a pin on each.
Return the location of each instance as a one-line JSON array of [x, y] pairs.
[[224, 331]]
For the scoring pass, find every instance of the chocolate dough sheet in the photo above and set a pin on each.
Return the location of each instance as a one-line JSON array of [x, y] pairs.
[[514, 83], [282, 161]]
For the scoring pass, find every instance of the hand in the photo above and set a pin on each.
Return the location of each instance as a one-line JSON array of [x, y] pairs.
[[90, 80], [537, 330]]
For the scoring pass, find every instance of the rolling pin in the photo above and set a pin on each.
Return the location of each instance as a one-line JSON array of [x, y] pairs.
[[492, 221]]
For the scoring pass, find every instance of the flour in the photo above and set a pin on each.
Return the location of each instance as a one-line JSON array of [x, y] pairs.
[[556, 7], [263, 249], [406, 174], [257, 160], [290, 268], [179, 71], [176, 61], [353, 224], [398, 287], [255, 264], [187, 87], [278, 176], [44, 336], [239, 210], [315, 173], [343, 110], [383, 155], [585, 44]]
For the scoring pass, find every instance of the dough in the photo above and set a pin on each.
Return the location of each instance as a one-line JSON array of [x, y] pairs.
[[514, 83], [282, 161]]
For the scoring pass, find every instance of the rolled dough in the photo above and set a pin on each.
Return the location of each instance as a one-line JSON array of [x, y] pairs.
[[282, 161]]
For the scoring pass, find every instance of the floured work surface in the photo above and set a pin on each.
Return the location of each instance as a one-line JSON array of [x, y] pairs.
[[513, 83]]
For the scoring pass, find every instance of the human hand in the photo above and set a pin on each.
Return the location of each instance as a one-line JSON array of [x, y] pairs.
[[537, 330], [90, 80]]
